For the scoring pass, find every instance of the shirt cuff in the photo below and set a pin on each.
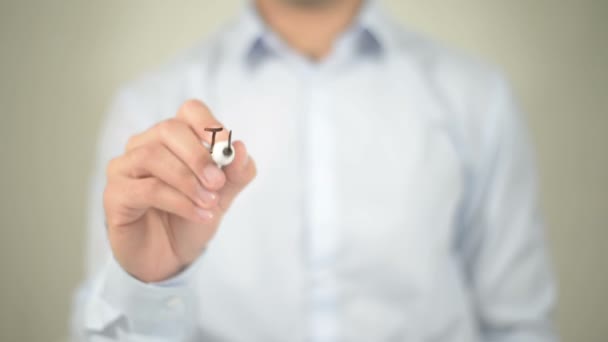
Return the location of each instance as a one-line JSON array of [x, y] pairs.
[[167, 308]]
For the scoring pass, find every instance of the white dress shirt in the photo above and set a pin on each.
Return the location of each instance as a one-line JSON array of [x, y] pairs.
[[395, 199]]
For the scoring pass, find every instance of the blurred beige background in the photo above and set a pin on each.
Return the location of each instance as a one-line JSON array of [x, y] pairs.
[[60, 62]]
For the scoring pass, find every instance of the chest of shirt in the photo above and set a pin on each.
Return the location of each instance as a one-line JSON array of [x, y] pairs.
[[357, 182], [359, 153]]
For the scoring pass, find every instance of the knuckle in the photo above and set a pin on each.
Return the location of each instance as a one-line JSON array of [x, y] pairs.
[[112, 166], [166, 128], [150, 187], [144, 153], [132, 142], [112, 197], [107, 195], [137, 159]]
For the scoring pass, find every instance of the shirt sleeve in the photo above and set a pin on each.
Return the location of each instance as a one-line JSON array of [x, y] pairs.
[[111, 305], [504, 245], [118, 307]]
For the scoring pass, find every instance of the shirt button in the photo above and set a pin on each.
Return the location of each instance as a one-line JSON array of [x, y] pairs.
[[175, 304]]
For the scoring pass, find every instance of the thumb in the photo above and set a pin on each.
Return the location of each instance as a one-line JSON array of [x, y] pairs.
[[239, 173]]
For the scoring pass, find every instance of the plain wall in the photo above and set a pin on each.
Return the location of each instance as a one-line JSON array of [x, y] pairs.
[[61, 60]]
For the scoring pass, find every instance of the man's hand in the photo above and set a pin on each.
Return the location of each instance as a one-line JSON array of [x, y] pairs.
[[165, 198]]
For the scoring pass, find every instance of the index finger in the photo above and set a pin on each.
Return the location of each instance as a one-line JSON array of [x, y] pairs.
[[198, 116]]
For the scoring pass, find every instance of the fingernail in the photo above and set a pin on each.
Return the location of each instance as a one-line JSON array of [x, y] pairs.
[[205, 197], [212, 174], [205, 215], [246, 161]]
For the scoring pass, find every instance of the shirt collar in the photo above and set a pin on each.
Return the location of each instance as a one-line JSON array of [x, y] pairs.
[[257, 41]]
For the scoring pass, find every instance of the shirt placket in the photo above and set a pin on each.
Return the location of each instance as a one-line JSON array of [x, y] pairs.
[[321, 228]]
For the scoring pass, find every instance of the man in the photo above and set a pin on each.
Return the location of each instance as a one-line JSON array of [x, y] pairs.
[[394, 199]]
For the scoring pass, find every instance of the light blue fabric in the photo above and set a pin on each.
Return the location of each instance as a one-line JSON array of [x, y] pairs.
[[396, 199]]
